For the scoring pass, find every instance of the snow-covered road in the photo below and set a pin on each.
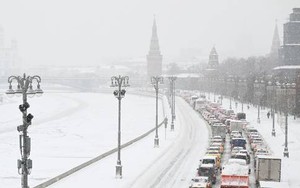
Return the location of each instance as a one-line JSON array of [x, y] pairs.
[[177, 165]]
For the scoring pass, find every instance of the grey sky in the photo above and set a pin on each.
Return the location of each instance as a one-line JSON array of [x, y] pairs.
[[96, 31]]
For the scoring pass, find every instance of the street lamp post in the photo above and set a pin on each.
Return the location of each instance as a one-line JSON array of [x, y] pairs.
[[119, 82], [258, 111], [221, 99], [273, 109], [286, 151], [230, 107], [258, 93], [166, 124], [24, 88], [242, 106], [156, 80], [172, 84]]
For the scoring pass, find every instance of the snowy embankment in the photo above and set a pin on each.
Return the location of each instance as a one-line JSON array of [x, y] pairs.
[[291, 165], [68, 129], [173, 164]]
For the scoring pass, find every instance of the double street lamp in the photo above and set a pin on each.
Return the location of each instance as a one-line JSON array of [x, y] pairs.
[[258, 94], [172, 91], [120, 82], [286, 86], [230, 106], [24, 88], [273, 83], [155, 81]]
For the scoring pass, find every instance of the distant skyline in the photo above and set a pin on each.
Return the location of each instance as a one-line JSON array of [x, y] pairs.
[[94, 32]]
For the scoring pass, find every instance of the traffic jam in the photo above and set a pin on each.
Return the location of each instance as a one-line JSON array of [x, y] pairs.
[[237, 156]]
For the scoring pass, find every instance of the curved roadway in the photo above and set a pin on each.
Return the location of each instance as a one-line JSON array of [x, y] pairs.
[[177, 165]]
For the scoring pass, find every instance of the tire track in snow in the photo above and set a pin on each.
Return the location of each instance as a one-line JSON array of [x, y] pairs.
[[178, 163]]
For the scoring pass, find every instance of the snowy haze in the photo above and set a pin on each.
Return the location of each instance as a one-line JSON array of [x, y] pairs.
[[96, 31]]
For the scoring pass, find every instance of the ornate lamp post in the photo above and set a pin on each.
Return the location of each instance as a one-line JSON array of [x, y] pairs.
[[230, 106], [24, 88], [258, 93], [166, 124], [172, 84], [119, 93], [230, 93], [273, 107], [286, 151], [155, 81]]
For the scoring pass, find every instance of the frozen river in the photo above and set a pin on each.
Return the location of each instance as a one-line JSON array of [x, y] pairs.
[[68, 129]]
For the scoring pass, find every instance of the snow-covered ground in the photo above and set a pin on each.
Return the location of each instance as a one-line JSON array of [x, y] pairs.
[[69, 129], [80, 129]]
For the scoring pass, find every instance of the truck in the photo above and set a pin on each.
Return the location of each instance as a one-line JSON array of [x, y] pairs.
[[211, 160], [219, 129], [273, 184], [200, 104], [236, 125], [241, 115], [200, 182], [235, 174], [268, 168], [209, 171]]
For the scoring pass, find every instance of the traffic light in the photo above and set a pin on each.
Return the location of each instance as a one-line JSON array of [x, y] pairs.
[[24, 107], [29, 118]]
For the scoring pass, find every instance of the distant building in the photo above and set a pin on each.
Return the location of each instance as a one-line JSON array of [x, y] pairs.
[[290, 51], [154, 57], [8, 56], [213, 64], [213, 61], [290, 55]]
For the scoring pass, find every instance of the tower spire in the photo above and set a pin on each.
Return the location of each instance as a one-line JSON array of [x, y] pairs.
[[154, 45], [276, 42], [213, 61], [154, 57]]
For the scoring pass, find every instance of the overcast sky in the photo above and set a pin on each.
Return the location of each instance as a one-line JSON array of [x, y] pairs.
[[97, 31]]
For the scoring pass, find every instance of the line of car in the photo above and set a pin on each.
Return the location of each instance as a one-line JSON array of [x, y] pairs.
[[222, 123], [210, 165]]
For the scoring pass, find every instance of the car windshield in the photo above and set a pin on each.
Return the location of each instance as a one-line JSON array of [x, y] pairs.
[[243, 151], [200, 179], [204, 171], [240, 157], [261, 151], [208, 161]]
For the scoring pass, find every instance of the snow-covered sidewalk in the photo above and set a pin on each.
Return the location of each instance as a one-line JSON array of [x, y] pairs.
[[291, 165]]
